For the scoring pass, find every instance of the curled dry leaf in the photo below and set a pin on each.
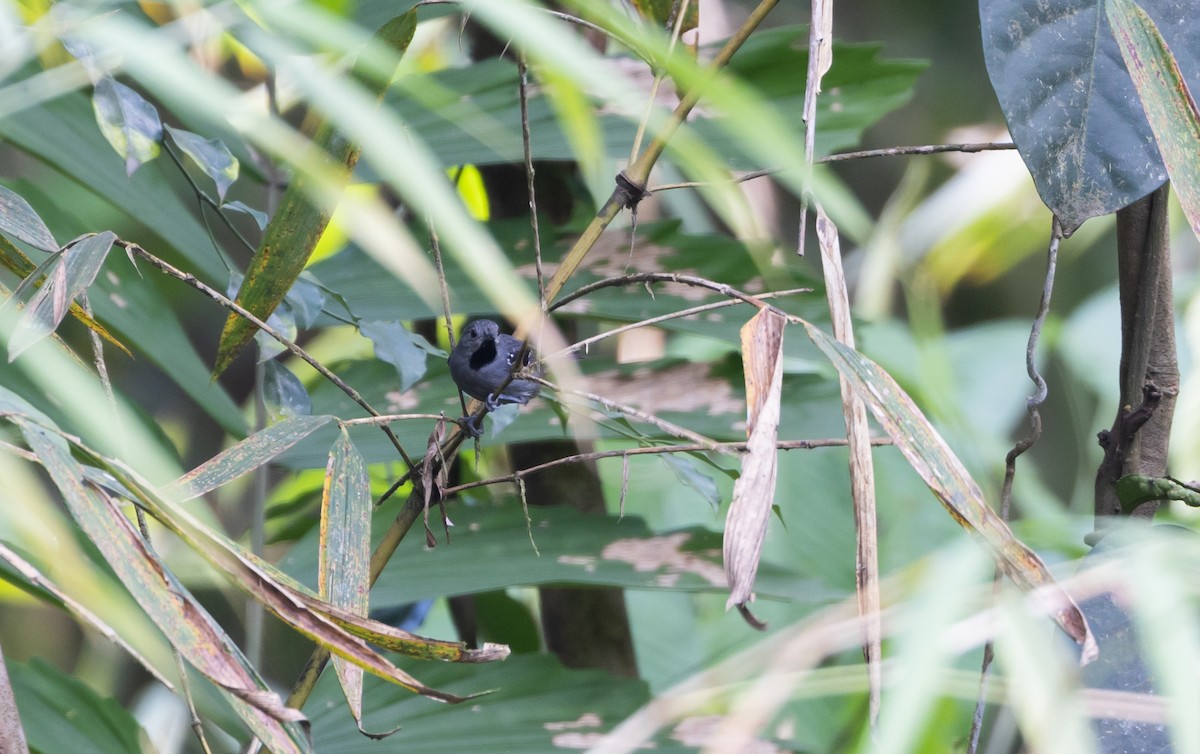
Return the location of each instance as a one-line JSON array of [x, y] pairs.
[[754, 490]]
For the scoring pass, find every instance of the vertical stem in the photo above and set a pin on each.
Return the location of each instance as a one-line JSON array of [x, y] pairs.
[[1147, 349]]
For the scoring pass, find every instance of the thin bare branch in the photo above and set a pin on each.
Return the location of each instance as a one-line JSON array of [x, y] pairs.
[[584, 344], [860, 155], [724, 447], [190, 279]]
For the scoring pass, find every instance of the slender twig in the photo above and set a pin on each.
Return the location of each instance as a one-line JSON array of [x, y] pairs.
[[385, 418], [669, 427], [724, 447], [436, 246], [527, 144], [204, 199], [1032, 404], [860, 155], [190, 279], [670, 277], [584, 344]]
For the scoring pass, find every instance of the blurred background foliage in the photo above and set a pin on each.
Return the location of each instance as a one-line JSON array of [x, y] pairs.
[[945, 256]]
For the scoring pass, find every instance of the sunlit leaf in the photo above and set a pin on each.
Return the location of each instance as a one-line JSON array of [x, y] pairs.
[[129, 123], [293, 233]]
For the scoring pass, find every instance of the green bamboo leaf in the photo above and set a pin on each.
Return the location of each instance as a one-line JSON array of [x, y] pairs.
[[129, 123], [68, 280], [345, 572], [167, 602], [19, 220], [1170, 107], [37, 580], [210, 155], [289, 601], [246, 456], [15, 261], [949, 480], [300, 220], [60, 712]]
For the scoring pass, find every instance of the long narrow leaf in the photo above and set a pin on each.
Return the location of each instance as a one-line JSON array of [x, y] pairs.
[[279, 594], [300, 220], [246, 456], [1170, 107], [345, 575], [172, 608], [36, 578], [930, 457], [68, 280]]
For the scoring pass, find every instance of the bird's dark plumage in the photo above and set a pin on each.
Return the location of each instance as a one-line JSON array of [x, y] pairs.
[[482, 361]]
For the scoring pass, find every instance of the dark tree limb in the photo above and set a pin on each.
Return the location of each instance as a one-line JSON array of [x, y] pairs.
[[1139, 439]]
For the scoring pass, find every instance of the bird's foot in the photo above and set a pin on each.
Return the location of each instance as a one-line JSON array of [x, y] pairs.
[[470, 425]]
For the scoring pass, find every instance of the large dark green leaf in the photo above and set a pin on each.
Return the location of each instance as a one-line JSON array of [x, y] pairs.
[[63, 134], [1070, 104], [490, 548], [448, 108], [537, 706], [62, 713]]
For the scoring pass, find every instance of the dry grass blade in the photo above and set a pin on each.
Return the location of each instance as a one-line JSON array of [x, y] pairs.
[[933, 460], [754, 490], [862, 471]]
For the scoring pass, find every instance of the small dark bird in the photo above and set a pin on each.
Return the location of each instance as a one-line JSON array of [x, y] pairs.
[[482, 361]]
